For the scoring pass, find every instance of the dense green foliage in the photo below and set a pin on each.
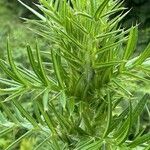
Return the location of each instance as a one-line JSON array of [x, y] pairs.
[[80, 90], [139, 12]]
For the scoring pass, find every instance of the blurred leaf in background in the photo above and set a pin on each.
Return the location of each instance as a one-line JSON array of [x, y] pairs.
[[12, 25], [140, 13]]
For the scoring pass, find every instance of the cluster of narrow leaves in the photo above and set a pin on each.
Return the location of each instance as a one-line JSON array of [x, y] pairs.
[[76, 94]]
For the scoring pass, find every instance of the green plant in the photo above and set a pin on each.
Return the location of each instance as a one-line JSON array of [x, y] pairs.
[[78, 95]]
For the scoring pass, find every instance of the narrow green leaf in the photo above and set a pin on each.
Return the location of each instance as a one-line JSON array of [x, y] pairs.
[[109, 115], [33, 63], [120, 132], [107, 64], [110, 46], [79, 26], [6, 131], [19, 92], [83, 14], [71, 105], [37, 113], [87, 123], [95, 145], [82, 143], [29, 75], [65, 124], [131, 45], [51, 13], [47, 118], [113, 11], [144, 55], [108, 34], [25, 113], [117, 19], [57, 69], [9, 90], [121, 86], [63, 99], [3, 119], [33, 11], [140, 106], [41, 68], [9, 113], [12, 145], [38, 147], [125, 130], [100, 9], [129, 74], [9, 82], [46, 99], [140, 140], [72, 39], [13, 66], [8, 71], [119, 119]]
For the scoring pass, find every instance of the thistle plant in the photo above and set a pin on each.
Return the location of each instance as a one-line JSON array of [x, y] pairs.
[[77, 94]]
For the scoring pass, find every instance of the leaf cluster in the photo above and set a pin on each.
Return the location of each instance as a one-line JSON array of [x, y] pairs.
[[78, 90]]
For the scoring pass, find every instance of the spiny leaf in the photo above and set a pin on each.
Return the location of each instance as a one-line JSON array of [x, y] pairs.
[[140, 140], [117, 19], [144, 55], [100, 10], [53, 15], [13, 66], [33, 11], [132, 41], [108, 34], [110, 46], [113, 11]]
